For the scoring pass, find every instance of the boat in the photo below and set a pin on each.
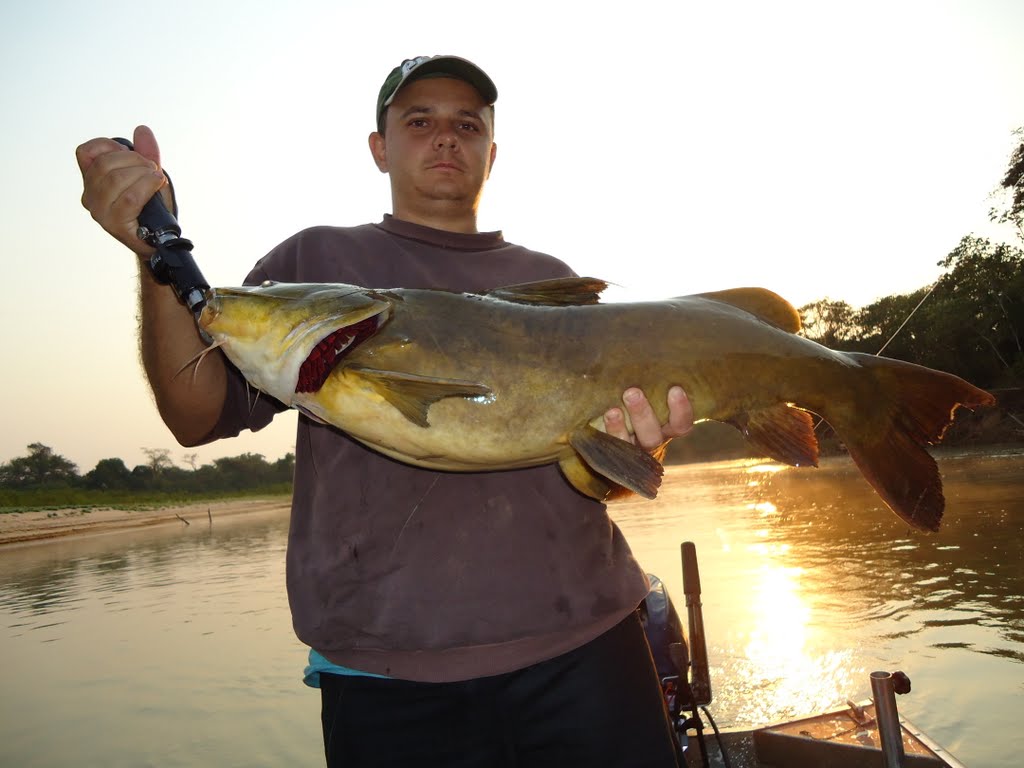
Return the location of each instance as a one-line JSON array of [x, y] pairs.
[[860, 734]]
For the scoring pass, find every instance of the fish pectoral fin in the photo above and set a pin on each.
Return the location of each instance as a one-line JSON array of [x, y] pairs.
[[413, 395], [761, 303], [783, 432], [560, 292], [621, 462], [308, 413]]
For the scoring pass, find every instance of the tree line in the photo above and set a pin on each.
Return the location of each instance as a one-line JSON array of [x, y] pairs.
[[43, 476], [970, 322]]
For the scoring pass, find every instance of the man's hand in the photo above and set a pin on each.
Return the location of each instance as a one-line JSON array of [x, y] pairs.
[[118, 182], [648, 432]]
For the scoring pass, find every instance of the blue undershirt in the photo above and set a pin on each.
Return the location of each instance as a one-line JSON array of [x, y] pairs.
[[318, 664]]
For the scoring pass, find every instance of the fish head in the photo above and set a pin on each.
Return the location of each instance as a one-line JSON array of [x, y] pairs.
[[288, 337]]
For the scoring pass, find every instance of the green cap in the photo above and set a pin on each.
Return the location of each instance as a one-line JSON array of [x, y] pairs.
[[433, 66]]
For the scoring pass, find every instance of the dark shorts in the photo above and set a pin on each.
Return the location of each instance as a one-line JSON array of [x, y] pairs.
[[599, 706]]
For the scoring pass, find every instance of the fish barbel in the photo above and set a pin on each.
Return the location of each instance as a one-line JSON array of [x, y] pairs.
[[522, 375]]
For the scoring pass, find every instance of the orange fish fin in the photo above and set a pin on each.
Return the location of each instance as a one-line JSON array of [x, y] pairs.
[[916, 407], [906, 477], [583, 478], [761, 303], [618, 460], [782, 432], [560, 292], [413, 395]]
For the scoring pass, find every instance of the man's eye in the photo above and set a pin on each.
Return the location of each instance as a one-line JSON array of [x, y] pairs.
[[473, 127], [417, 122]]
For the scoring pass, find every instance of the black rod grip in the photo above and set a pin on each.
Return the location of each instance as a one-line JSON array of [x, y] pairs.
[[155, 217], [172, 263], [691, 576]]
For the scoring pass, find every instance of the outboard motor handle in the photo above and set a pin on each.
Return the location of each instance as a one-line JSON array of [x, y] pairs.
[[700, 676]]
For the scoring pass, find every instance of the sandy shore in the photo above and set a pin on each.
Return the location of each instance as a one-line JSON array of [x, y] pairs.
[[20, 527]]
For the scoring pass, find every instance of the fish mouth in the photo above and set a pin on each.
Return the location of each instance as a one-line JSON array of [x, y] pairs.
[[330, 351]]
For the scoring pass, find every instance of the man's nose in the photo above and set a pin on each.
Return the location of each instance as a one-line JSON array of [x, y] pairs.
[[446, 138]]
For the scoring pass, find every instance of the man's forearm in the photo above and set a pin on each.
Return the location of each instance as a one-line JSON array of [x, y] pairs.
[[189, 396]]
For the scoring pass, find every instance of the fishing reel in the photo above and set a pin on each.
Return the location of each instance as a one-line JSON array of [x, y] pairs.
[[172, 263]]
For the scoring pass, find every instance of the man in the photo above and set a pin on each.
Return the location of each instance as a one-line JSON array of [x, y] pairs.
[[455, 619]]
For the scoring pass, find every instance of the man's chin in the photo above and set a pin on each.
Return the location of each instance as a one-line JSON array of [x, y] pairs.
[[447, 192]]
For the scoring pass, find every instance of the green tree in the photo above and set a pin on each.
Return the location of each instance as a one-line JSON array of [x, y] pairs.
[[1012, 189], [42, 467], [283, 470], [831, 323], [158, 459], [979, 308], [109, 475], [248, 470], [892, 327]]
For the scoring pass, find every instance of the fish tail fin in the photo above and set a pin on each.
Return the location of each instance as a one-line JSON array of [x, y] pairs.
[[887, 438]]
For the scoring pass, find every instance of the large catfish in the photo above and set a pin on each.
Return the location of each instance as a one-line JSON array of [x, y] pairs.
[[522, 375]]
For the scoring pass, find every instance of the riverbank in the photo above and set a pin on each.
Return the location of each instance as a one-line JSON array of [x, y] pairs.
[[42, 525]]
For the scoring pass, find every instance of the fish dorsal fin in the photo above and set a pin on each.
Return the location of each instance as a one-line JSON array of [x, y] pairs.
[[560, 292], [762, 303], [413, 395], [620, 461]]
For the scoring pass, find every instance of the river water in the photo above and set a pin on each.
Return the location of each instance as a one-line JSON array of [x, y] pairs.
[[173, 646]]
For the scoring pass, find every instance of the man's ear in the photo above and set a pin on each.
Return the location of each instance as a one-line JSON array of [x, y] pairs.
[[494, 154], [379, 150]]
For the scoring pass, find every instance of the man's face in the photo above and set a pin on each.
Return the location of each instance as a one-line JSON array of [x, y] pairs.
[[438, 143]]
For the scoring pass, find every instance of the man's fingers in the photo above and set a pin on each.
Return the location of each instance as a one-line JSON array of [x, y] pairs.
[[680, 413], [117, 186], [112, 168], [133, 196], [615, 424], [86, 154], [646, 425], [103, 189], [145, 144]]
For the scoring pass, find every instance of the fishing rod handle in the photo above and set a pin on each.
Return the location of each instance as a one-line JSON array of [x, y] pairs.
[[171, 263], [157, 225]]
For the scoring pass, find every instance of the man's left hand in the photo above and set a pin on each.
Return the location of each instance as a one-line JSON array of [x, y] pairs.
[[648, 431]]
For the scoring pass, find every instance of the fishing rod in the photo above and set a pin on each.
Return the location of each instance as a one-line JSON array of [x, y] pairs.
[[894, 335], [171, 263]]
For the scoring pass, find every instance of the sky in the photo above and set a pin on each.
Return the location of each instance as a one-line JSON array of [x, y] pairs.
[[819, 149]]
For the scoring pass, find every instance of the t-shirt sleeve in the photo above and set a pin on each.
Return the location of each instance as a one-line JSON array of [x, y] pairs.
[[245, 407]]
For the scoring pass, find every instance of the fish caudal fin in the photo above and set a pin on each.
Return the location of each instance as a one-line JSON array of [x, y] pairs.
[[915, 408]]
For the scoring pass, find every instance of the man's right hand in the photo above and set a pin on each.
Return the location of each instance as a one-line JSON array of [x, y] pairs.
[[118, 182]]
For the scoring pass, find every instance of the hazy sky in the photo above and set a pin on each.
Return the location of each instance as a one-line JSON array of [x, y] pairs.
[[814, 148]]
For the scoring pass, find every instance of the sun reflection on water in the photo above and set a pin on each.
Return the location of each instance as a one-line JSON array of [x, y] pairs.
[[785, 666], [787, 662]]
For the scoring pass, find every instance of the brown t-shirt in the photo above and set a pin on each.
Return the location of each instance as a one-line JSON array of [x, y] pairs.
[[425, 575]]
